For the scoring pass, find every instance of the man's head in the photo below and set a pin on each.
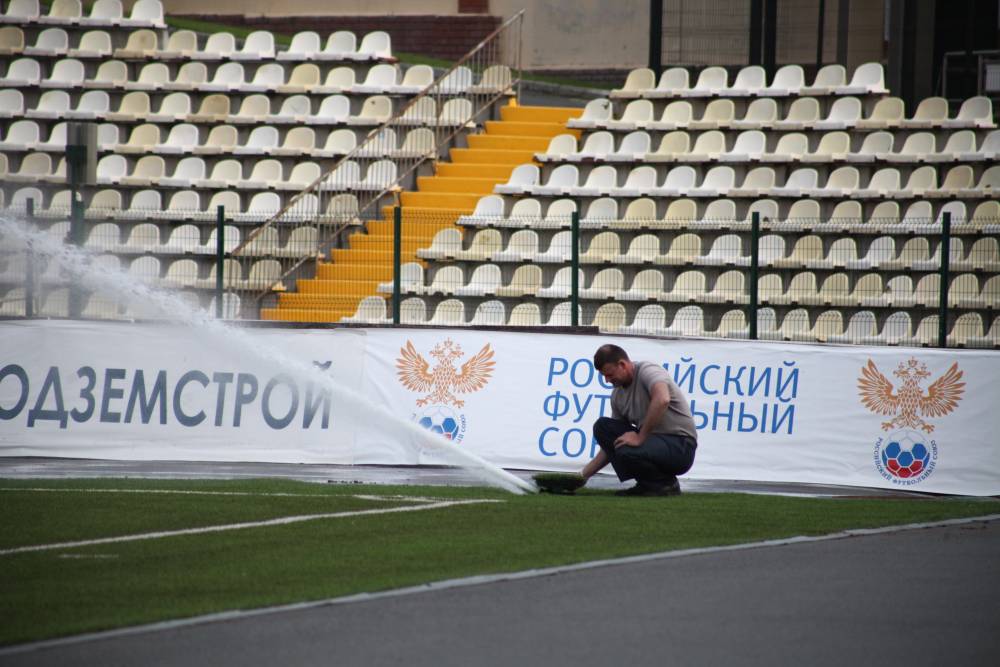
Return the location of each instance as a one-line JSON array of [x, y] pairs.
[[613, 363]]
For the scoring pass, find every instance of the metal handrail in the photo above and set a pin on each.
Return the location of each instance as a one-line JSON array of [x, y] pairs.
[[439, 88]]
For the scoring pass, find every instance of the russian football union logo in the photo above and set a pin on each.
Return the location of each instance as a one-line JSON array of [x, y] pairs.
[[907, 455], [443, 421], [442, 382]]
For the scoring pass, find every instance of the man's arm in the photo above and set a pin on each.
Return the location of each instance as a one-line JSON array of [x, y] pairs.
[[595, 464], [659, 399]]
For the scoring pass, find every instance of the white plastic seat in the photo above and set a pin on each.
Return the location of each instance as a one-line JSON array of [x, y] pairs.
[[749, 146], [66, 73], [305, 45], [711, 81], [340, 45], [62, 12], [521, 178], [761, 113], [650, 319], [647, 285], [688, 286], [679, 182], [180, 44], [803, 114], [749, 80], [375, 110], [680, 212], [381, 78], [708, 147], [111, 74], [190, 77], [961, 146], [676, 115], [23, 72], [718, 182], [635, 116], [261, 141], [606, 284], [788, 80], [21, 11], [798, 183], [51, 104], [262, 206], [559, 249], [874, 146], [967, 326], [868, 79], [375, 45], [228, 77], [482, 247], [726, 250], [92, 44], [845, 112], [600, 214], [917, 148], [269, 77], [888, 112], [791, 147], [832, 147], [974, 112], [684, 249], [140, 44], [931, 112], [636, 83], [148, 170], [49, 43], [152, 76], [258, 45], [182, 139], [828, 79], [633, 146], [718, 114]]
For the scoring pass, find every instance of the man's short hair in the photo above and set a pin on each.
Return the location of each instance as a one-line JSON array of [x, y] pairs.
[[609, 354]]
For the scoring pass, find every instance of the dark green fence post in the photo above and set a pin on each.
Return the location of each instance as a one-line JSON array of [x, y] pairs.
[[945, 275], [754, 271], [574, 262], [397, 258], [76, 235], [29, 263], [220, 257]]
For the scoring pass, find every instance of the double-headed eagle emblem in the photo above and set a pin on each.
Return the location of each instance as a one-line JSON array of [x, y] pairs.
[[879, 395], [416, 374]]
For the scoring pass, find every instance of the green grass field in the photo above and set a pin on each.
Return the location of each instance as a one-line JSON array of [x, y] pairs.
[[72, 589]]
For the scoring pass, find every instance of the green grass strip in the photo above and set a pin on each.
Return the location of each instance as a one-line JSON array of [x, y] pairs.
[[62, 592]]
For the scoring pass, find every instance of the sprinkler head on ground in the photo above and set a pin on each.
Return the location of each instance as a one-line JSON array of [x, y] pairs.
[[559, 482]]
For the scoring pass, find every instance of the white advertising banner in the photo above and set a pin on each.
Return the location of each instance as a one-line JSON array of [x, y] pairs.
[[154, 391], [922, 419], [903, 418]]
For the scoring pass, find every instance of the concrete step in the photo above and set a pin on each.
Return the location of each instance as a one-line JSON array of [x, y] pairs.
[[457, 185], [540, 114], [509, 142], [493, 156]]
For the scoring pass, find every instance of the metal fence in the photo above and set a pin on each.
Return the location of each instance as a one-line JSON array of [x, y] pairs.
[[880, 281]]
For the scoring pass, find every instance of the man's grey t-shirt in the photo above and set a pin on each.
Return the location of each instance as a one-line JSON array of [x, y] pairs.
[[631, 403]]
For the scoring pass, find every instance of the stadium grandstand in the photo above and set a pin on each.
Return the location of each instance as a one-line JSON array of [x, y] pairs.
[[730, 185]]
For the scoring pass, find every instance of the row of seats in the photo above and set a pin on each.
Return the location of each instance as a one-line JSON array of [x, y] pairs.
[[692, 285], [70, 73], [868, 79], [55, 303], [720, 181], [605, 212], [803, 114], [24, 135], [185, 205], [145, 44], [145, 238], [223, 141], [190, 172], [179, 273], [752, 146], [965, 291], [689, 321], [145, 14], [727, 249]]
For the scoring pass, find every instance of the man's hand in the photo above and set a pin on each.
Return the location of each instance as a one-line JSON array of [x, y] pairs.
[[628, 439]]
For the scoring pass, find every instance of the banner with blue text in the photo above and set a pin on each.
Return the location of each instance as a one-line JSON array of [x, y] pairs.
[[902, 418]]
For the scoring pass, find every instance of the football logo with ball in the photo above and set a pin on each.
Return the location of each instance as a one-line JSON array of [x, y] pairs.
[[443, 421], [905, 457]]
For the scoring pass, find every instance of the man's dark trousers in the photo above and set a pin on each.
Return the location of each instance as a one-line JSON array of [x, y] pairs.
[[654, 463]]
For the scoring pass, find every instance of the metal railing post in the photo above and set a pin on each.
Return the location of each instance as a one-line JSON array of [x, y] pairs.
[[220, 258], [397, 255], [29, 263], [754, 271], [574, 281], [76, 238], [945, 275]]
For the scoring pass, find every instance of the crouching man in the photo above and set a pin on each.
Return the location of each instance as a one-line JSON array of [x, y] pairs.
[[650, 436]]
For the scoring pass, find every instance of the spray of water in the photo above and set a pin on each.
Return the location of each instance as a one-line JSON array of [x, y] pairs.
[[101, 278]]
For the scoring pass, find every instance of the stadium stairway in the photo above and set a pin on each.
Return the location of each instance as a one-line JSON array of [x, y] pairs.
[[355, 272]]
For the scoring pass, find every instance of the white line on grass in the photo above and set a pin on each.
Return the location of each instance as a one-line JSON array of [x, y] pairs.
[[282, 521], [182, 492], [480, 580]]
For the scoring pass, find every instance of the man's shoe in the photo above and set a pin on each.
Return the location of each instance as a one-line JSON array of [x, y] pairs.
[[645, 490]]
